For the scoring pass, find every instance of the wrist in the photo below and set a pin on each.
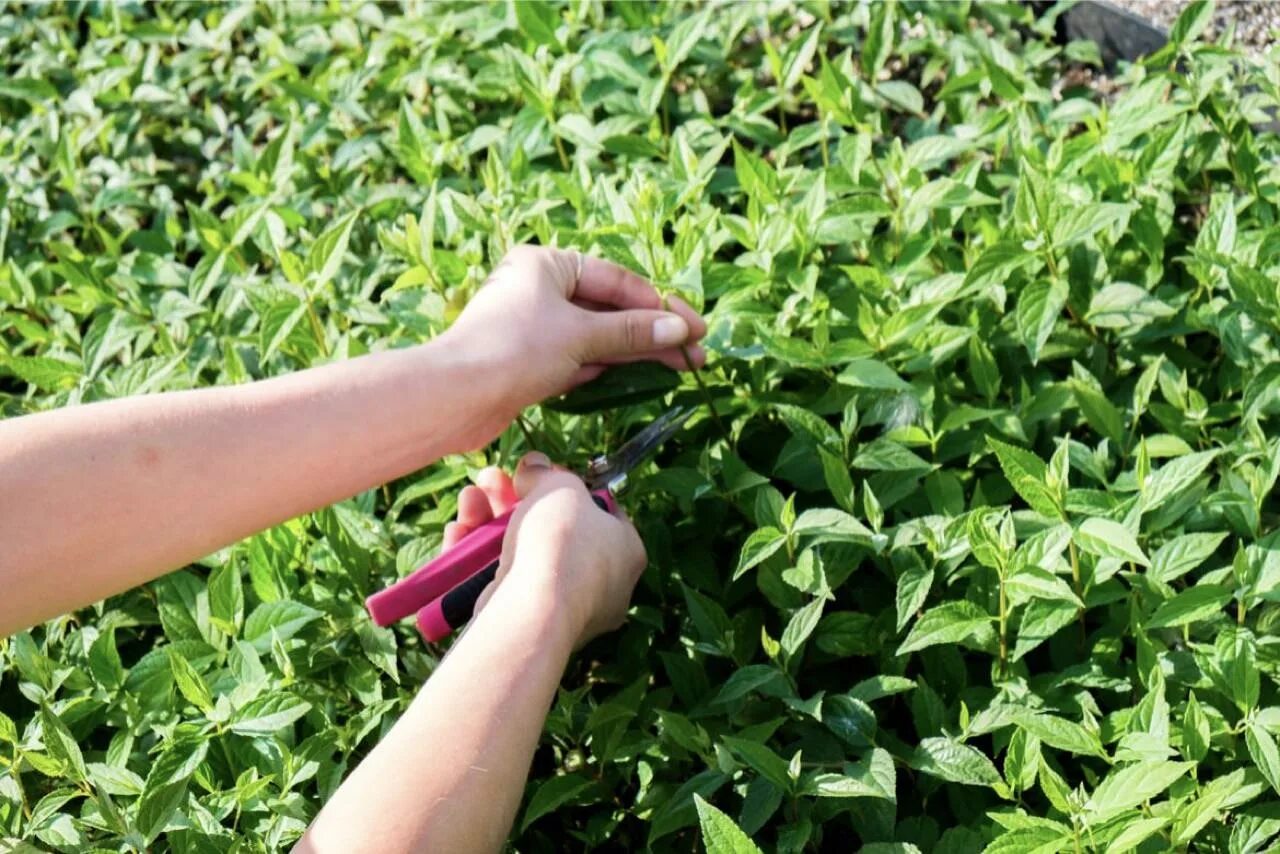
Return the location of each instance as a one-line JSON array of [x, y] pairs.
[[529, 598], [477, 382]]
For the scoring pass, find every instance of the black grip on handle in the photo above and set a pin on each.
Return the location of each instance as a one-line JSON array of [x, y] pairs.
[[459, 604]]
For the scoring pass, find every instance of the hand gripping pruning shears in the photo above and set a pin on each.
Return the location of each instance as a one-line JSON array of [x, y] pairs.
[[443, 592]]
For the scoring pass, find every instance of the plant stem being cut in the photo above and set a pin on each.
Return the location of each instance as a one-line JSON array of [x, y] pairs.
[[697, 379]]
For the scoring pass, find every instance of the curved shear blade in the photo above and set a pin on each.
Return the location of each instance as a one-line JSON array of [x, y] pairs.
[[604, 472]]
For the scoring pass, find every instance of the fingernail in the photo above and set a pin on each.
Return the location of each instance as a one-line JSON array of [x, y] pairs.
[[535, 460], [669, 330]]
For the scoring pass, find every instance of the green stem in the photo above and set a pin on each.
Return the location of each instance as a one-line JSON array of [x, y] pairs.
[[528, 434], [1051, 262], [706, 395], [822, 141], [564, 158], [1075, 585], [316, 328], [697, 379], [1004, 629]]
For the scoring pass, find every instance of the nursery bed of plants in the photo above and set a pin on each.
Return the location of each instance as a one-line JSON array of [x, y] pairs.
[[977, 552]]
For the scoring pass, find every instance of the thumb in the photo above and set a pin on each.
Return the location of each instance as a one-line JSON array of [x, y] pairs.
[[533, 467], [612, 334]]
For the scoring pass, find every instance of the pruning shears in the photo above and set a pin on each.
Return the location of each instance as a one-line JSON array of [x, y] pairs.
[[443, 591]]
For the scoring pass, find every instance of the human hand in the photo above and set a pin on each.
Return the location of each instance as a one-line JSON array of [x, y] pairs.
[[540, 329], [561, 551]]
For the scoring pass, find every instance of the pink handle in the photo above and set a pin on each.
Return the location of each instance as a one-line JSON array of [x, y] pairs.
[[435, 578], [432, 623], [440, 616]]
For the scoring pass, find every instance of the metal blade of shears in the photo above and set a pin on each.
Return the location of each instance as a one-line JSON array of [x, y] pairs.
[[610, 471]]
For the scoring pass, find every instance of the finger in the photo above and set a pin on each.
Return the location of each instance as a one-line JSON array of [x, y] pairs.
[[453, 532], [473, 507], [527, 260], [697, 326], [497, 485], [589, 305], [585, 374], [606, 283], [612, 334], [532, 468], [672, 358]]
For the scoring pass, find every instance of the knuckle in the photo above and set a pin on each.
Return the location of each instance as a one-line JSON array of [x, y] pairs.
[[522, 253], [634, 331]]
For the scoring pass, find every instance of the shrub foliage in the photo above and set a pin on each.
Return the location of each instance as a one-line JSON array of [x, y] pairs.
[[979, 550]]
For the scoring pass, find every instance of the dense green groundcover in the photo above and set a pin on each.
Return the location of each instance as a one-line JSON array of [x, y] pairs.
[[981, 551]]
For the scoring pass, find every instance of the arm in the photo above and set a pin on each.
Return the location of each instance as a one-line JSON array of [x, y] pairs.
[[450, 774], [97, 498]]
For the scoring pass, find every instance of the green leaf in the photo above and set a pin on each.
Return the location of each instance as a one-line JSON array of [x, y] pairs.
[[104, 661], [761, 759], [1032, 582], [62, 745], [1125, 788], [748, 679], [886, 455], [847, 633], [827, 523], [226, 597], [912, 591], [1135, 832], [285, 618], [1195, 730], [189, 682], [1182, 554], [869, 373], [623, 385], [756, 177], [758, 548], [872, 777], [1263, 752], [1191, 22], [1028, 475], [952, 622], [1039, 307], [1079, 222], [324, 258], [1174, 477], [1036, 838], [1041, 620], [719, 834], [166, 785], [880, 686], [902, 95], [801, 625], [684, 37], [1060, 733], [537, 21], [1105, 538], [1236, 658], [269, 714], [1190, 606], [554, 794], [1101, 413], [955, 762], [851, 719], [31, 89], [1192, 819]]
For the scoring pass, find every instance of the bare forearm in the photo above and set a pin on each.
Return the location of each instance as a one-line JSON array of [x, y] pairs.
[[450, 774], [97, 498]]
